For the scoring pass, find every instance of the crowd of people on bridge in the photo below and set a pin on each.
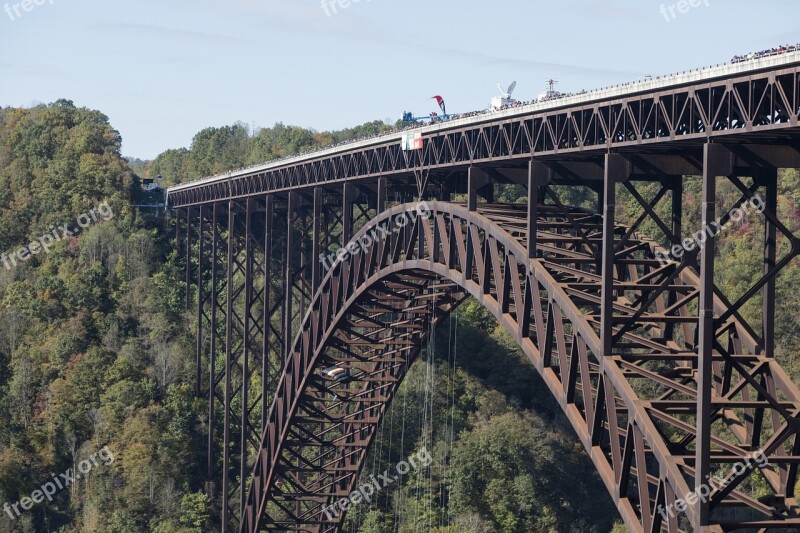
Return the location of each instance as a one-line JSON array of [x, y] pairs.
[[783, 49]]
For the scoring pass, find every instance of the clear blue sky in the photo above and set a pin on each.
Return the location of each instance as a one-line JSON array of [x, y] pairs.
[[164, 69]]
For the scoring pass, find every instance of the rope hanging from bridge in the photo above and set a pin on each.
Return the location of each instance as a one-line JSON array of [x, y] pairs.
[[425, 425], [398, 492], [424, 492], [430, 390], [452, 353]]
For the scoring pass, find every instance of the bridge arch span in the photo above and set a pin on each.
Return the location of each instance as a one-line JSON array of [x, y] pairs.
[[371, 316]]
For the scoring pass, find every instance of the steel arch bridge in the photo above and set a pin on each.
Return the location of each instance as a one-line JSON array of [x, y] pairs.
[[658, 372]]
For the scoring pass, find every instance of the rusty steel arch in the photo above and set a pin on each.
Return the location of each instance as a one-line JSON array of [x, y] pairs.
[[707, 389], [374, 310]]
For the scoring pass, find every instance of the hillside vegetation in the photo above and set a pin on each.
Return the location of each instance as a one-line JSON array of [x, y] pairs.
[[96, 350]]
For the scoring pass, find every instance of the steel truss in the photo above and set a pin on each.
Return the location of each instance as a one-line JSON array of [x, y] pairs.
[[661, 377], [238, 255], [658, 371], [756, 107]]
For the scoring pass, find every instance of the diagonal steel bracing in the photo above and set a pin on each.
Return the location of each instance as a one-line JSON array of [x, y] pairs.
[[665, 381], [622, 352]]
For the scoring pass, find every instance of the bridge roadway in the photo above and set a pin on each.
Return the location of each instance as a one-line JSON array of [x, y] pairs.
[[661, 376], [743, 99]]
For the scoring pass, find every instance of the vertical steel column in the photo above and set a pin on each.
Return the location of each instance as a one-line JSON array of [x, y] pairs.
[[289, 271], [295, 207], [539, 175], [445, 193], [305, 269], [380, 204], [226, 452], [316, 261], [600, 198], [178, 244], [178, 229], [348, 199], [677, 206], [617, 170], [677, 230], [476, 179], [200, 303], [246, 347], [769, 178], [188, 256], [266, 378], [212, 373], [716, 162]]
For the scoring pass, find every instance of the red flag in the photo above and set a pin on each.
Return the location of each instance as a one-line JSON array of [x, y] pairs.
[[440, 101]]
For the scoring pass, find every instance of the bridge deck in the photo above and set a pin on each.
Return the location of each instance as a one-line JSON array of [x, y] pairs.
[[300, 170]]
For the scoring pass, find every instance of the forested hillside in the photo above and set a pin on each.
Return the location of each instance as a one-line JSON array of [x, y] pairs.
[[93, 349], [96, 351], [216, 150]]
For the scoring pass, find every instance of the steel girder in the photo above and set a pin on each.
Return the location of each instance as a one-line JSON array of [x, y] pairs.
[[370, 316], [255, 264], [757, 107], [644, 315], [235, 337], [672, 374]]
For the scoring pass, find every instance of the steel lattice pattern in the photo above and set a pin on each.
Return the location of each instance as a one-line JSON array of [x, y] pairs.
[[374, 311], [663, 380], [759, 106]]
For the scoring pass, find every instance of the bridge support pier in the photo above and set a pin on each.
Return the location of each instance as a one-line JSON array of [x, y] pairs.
[[768, 178], [212, 353], [188, 256], [476, 178], [201, 300], [617, 170], [539, 175], [271, 341], [230, 300], [717, 161], [229, 355]]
